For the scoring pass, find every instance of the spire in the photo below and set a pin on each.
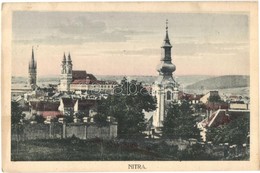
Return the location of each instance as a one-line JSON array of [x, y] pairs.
[[64, 58], [69, 58], [32, 54], [32, 63], [166, 67], [166, 28], [32, 72], [166, 40]]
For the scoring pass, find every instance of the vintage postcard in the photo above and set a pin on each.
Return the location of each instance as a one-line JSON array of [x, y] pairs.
[[130, 86]]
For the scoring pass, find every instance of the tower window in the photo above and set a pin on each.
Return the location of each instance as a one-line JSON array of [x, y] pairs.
[[168, 95]]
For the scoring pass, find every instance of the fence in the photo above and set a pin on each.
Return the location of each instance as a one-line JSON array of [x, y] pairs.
[[58, 131]]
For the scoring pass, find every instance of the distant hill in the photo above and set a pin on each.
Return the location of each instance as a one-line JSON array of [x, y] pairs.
[[186, 80], [221, 82], [183, 80]]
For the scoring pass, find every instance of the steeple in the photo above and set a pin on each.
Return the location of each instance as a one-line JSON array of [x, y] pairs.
[[32, 63], [64, 59], [69, 64], [66, 73], [165, 87], [32, 54], [166, 67], [166, 39], [32, 71], [69, 58]]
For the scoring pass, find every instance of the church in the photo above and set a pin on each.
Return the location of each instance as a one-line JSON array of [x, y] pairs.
[[32, 79], [165, 88], [80, 80]]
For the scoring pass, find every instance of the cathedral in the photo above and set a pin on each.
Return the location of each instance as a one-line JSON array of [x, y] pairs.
[[165, 87], [32, 72], [66, 73], [80, 80]]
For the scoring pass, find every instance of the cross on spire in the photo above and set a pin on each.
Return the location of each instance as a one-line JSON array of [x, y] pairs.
[[166, 25]]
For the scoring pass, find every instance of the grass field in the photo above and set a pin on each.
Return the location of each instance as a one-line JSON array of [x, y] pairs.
[[99, 150]]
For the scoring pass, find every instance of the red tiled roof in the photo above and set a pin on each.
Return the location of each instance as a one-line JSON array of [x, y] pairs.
[[101, 82], [189, 97], [44, 106], [81, 77], [79, 74], [52, 114], [222, 117], [91, 77], [216, 106], [81, 81], [87, 81], [86, 104]]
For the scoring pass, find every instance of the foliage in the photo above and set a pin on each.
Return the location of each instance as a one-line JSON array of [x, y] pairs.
[[74, 149], [68, 119], [16, 113], [101, 119], [199, 107], [236, 132], [180, 122], [127, 105], [79, 115], [195, 152], [214, 98], [39, 119]]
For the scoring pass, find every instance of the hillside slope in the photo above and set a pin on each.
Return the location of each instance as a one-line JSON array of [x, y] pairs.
[[221, 82]]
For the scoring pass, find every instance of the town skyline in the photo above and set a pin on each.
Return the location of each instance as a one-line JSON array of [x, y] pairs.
[[97, 41]]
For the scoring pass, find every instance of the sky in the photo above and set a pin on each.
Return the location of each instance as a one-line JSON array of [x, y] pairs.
[[120, 43]]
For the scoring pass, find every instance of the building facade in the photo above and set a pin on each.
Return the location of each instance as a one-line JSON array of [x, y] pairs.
[[66, 74], [165, 88], [32, 78], [80, 80]]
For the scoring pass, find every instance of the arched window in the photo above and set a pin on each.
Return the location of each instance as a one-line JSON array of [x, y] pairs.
[[168, 95]]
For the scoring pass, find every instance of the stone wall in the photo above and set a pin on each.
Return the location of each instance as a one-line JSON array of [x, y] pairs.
[[58, 131]]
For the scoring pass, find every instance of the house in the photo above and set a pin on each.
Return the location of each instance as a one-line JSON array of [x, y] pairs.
[[66, 106], [216, 105], [70, 106], [205, 98], [238, 105], [223, 116], [191, 98], [220, 117], [86, 107], [44, 108]]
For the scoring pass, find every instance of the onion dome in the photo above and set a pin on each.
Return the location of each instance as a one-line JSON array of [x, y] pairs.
[[166, 67]]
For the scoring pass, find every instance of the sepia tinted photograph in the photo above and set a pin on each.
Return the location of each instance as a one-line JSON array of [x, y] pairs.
[[134, 85]]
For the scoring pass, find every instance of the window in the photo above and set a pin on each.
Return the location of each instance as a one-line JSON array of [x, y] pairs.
[[168, 95]]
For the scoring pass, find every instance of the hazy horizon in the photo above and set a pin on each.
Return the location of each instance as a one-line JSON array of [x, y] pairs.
[[119, 43]]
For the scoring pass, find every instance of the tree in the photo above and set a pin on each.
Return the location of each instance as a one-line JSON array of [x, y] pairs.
[[16, 113], [235, 132], [39, 118], [214, 98], [127, 104], [180, 122]]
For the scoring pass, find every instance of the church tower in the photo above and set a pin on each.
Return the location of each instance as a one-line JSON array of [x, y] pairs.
[[32, 72], [66, 73], [165, 87]]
